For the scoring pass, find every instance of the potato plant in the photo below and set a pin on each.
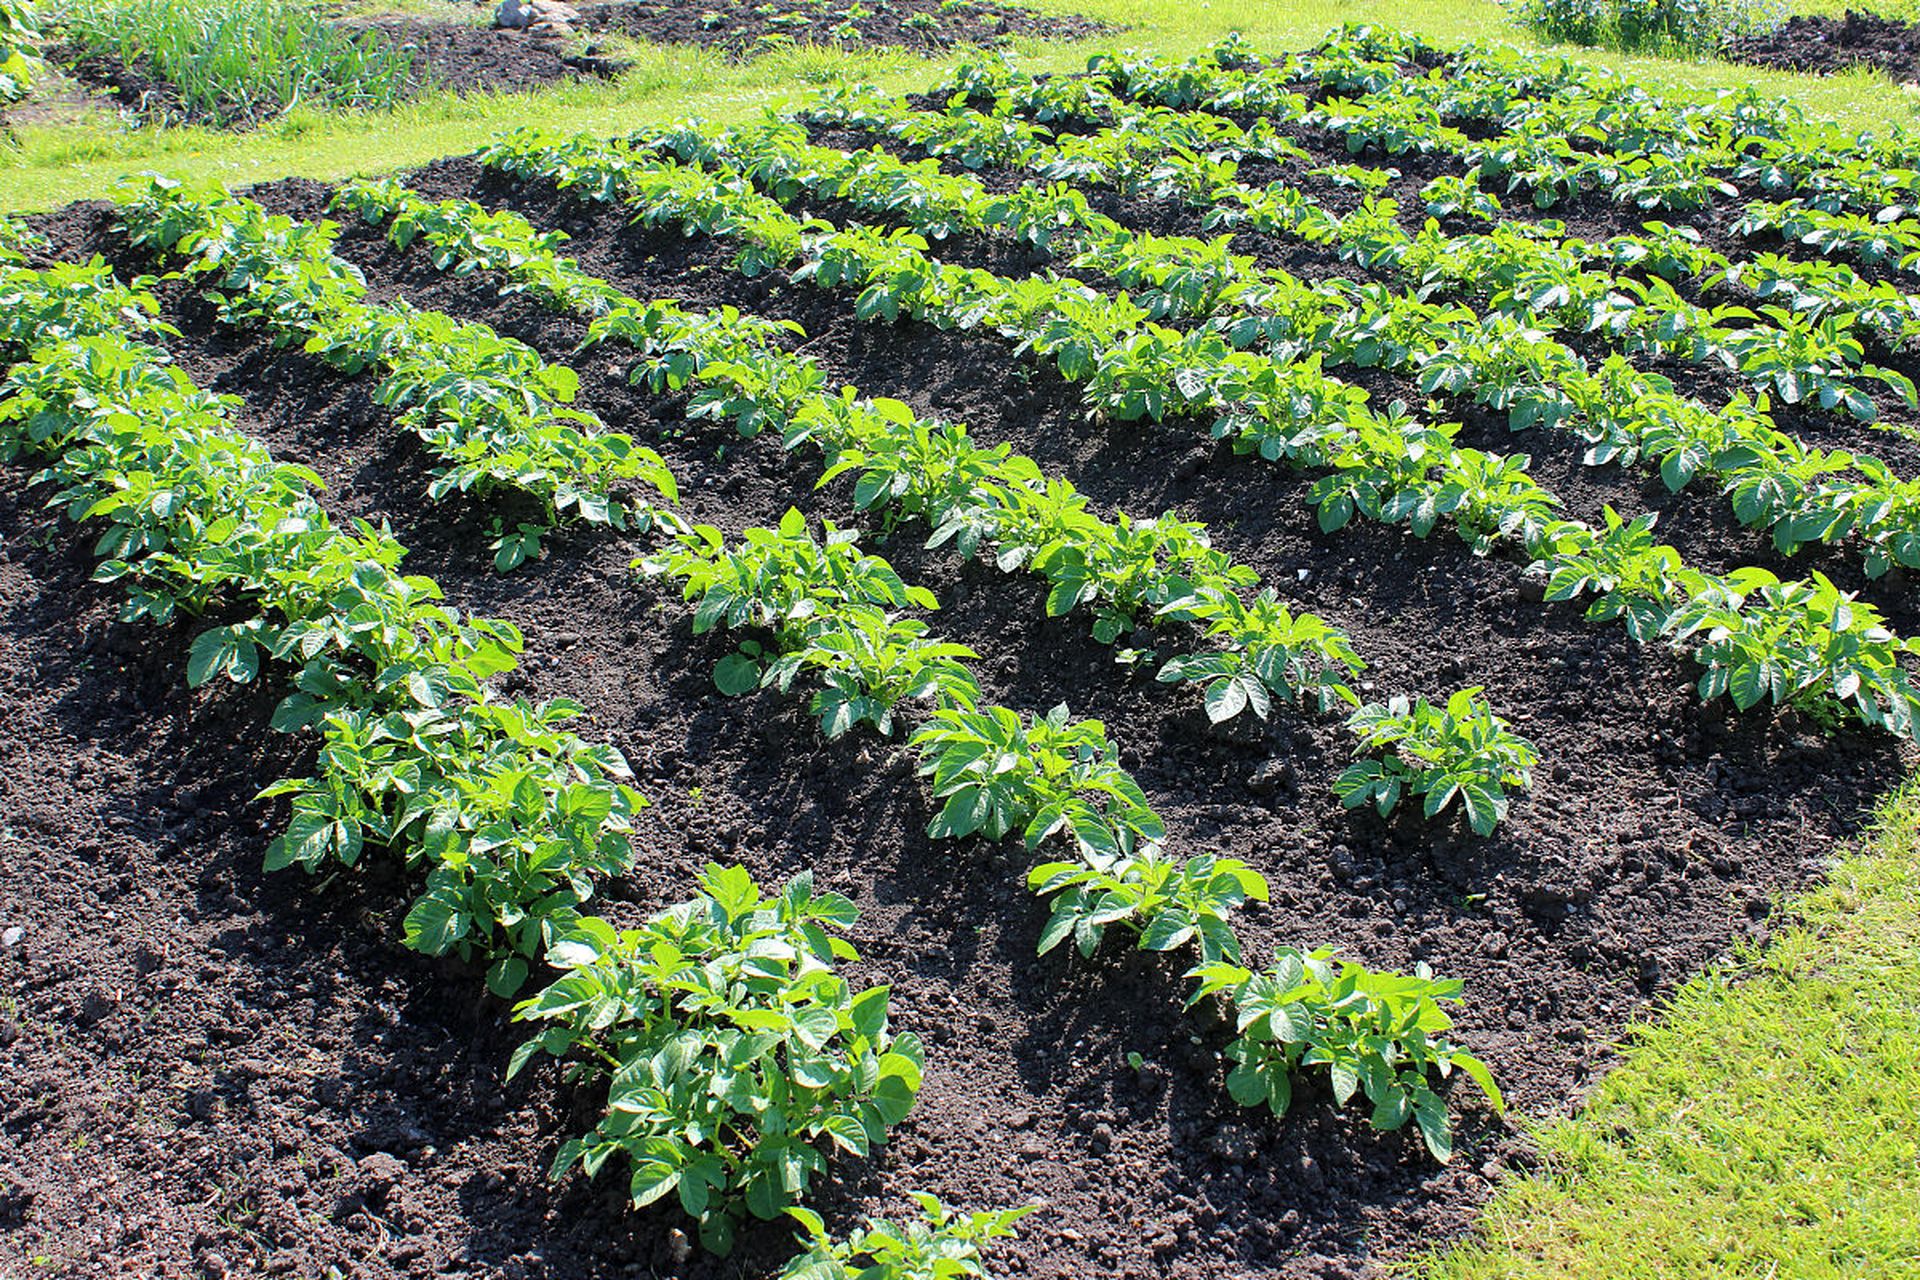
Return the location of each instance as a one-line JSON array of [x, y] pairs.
[[871, 663], [1437, 753], [729, 1047], [938, 1243], [1164, 903], [1802, 644], [995, 773], [778, 581], [1381, 1034]]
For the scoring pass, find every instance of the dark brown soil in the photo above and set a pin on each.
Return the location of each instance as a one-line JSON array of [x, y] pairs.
[[474, 59], [1823, 45], [210, 1071], [747, 27]]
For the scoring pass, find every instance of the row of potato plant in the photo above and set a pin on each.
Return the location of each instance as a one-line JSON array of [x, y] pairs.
[[1121, 147], [728, 1046], [487, 407], [1158, 149], [1196, 155], [1761, 639], [993, 503], [824, 610], [1541, 124], [1507, 359]]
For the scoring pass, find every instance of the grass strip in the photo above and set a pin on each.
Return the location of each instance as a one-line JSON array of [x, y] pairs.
[[1763, 1125]]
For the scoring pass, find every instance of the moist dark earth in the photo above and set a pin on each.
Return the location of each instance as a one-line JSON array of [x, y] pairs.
[[211, 1071], [1822, 45], [467, 58], [745, 27]]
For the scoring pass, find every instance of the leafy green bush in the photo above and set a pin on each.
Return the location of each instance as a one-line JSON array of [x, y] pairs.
[[995, 775], [1671, 26], [729, 1046], [944, 1245], [18, 65], [1437, 752], [869, 663], [1804, 644], [1166, 904], [1378, 1032], [780, 581], [242, 61]]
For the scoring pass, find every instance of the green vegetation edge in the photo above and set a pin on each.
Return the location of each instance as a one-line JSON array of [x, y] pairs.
[[1763, 1125], [48, 165]]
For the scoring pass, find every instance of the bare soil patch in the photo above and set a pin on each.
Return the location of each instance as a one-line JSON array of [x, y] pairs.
[[1821, 45]]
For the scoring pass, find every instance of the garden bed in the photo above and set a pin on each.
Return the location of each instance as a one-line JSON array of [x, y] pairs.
[[212, 1071], [744, 28], [465, 57], [1821, 45]]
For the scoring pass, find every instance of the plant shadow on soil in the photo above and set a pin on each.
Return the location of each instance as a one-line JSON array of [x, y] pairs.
[[1658, 832]]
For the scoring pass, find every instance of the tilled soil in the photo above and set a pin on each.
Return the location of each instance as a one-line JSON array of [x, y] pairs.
[[1822, 45], [745, 27], [211, 1071], [478, 59]]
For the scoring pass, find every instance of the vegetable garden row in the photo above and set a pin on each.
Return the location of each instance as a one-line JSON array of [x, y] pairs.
[[735, 1066]]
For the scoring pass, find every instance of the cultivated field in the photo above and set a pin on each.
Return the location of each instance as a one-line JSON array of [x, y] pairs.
[[1196, 639]]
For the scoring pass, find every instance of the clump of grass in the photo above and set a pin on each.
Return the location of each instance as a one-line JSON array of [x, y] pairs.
[[242, 61], [1672, 27]]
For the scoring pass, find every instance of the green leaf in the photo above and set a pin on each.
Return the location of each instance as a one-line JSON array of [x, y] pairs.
[[1226, 698], [736, 674], [222, 651], [651, 1181], [1059, 928], [434, 925], [1477, 1071], [1430, 1114], [506, 975]]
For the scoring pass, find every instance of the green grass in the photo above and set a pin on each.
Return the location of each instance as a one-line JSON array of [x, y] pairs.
[[55, 163], [1765, 1126], [1904, 10]]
